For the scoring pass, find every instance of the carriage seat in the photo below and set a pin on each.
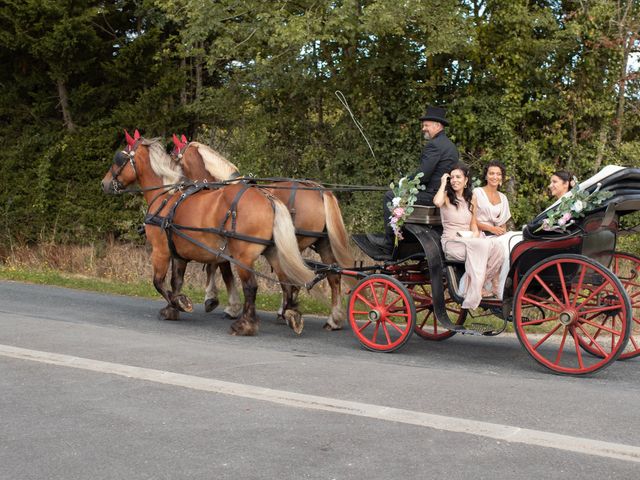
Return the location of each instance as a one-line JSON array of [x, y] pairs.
[[424, 215]]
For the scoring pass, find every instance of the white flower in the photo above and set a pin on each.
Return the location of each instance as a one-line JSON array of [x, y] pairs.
[[396, 201], [578, 206]]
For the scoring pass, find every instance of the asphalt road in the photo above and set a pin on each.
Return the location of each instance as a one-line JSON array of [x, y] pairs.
[[95, 387]]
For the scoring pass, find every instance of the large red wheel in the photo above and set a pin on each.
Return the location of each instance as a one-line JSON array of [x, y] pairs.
[[627, 268], [427, 325], [381, 313], [581, 302]]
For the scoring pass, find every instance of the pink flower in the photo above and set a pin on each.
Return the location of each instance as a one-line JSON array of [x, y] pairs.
[[394, 220], [398, 212], [562, 221]]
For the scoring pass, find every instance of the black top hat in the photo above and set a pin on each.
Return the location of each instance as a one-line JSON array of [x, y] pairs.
[[435, 114]]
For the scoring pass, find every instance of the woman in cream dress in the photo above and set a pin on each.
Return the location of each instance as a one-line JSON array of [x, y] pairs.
[[493, 214], [482, 256]]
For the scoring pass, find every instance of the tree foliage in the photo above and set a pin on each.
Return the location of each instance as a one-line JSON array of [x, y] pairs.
[[539, 84]]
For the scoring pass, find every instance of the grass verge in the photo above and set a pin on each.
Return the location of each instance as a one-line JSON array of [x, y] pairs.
[[265, 301]]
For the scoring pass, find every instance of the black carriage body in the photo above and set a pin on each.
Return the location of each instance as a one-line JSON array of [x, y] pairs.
[[568, 277]]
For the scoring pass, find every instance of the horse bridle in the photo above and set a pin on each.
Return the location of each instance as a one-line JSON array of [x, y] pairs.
[[120, 162]]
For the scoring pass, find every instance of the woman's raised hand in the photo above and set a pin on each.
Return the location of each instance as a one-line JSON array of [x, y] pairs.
[[443, 180]]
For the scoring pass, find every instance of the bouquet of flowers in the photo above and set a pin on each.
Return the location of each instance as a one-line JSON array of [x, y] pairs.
[[405, 194], [572, 206]]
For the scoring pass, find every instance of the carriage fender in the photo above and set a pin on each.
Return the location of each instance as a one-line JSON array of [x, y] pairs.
[[430, 241]]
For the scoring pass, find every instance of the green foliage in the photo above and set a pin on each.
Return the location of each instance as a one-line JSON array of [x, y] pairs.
[[536, 84]]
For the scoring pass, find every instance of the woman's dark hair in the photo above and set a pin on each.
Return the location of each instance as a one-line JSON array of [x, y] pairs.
[[566, 177], [466, 192], [494, 163]]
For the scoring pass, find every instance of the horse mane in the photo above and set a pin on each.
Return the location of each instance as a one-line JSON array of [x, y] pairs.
[[161, 162], [215, 163]]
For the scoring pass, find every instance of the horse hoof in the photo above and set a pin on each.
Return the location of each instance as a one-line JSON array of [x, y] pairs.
[[243, 328], [183, 303], [231, 312], [211, 304], [169, 313], [331, 328], [294, 320], [280, 320]]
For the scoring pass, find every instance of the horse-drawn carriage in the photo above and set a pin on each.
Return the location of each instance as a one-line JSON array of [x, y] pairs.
[[572, 298]]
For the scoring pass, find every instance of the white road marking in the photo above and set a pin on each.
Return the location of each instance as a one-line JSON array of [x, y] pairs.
[[505, 433]]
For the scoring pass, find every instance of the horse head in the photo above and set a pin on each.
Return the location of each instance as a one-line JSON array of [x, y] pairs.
[[201, 162], [142, 160], [123, 171], [179, 146]]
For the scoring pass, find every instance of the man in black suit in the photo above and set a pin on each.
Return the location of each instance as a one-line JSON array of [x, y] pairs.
[[438, 157]]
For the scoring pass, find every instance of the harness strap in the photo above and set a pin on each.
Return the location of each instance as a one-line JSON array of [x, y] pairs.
[[309, 233], [292, 201], [223, 255]]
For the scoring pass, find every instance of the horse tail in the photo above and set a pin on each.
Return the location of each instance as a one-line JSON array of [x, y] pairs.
[[284, 236], [338, 236]]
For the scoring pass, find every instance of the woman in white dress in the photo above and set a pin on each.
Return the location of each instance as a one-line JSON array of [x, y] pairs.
[[493, 214], [482, 256]]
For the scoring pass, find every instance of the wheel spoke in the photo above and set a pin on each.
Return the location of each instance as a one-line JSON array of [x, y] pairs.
[[578, 349], [593, 340], [565, 294], [365, 326], [602, 327], [544, 285], [365, 301], [599, 309], [386, 332], [375, 332], [583, 271], [398, 329], [593, 294], [546, 337], [561, 348], [541, 305], [540, 321], [373, 294]]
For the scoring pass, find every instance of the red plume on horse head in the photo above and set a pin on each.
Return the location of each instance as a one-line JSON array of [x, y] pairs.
[[179, 143], [131, 140]]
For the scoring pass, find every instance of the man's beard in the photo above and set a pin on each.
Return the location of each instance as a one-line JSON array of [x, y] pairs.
[[427, 136]]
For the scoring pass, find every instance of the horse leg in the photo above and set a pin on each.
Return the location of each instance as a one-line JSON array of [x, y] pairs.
[[247, 324], [179, 300], [160, 263], [234, 309], [289, 309], [211, 292], [338, 316]]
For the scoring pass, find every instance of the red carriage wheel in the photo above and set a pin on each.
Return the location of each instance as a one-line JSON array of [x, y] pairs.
[[627, 268], [381, 313], [582, 302], [427, 325]]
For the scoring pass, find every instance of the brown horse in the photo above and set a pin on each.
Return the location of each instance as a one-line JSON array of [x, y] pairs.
[[234, 221], [315, 212]]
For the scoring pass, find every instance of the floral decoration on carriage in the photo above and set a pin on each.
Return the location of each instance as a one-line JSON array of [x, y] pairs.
[[573, 206], [405, 194]]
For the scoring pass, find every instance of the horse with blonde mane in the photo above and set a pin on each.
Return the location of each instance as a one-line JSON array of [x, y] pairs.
[[233, 222], [314, 210]]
